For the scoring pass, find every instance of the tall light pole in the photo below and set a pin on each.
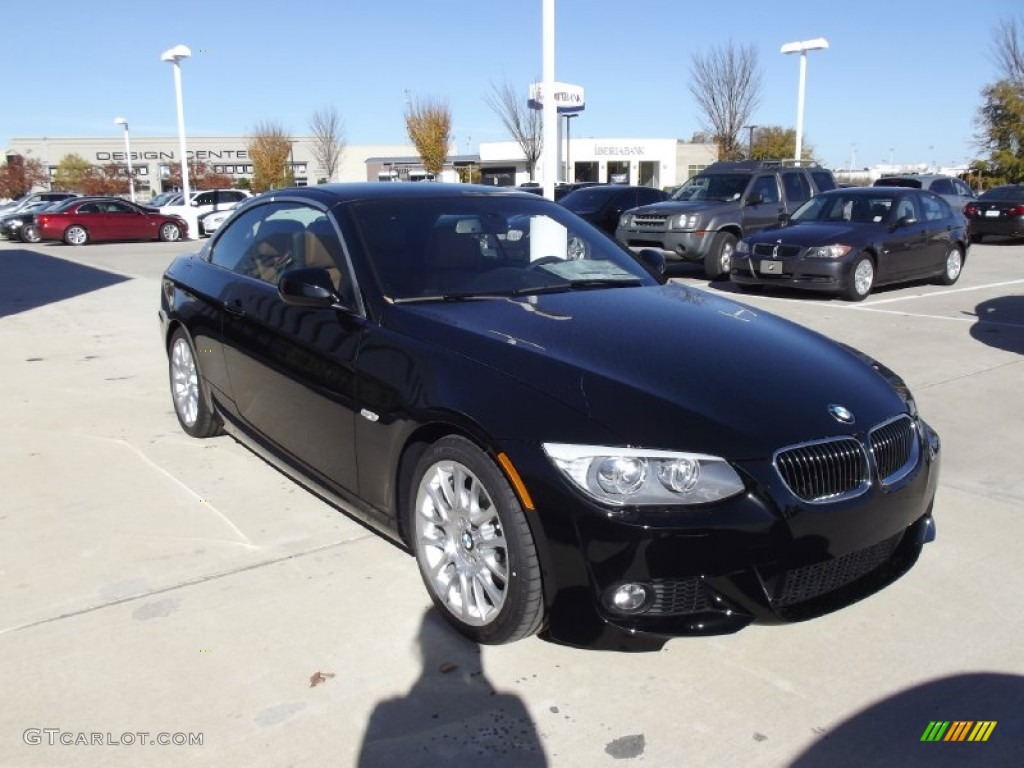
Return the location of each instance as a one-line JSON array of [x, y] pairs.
[[802, 48], [549, 110], [175, 55], [750, 141], [127, 155]]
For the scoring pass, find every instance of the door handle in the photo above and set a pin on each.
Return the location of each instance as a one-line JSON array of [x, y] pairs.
[[234, 309]]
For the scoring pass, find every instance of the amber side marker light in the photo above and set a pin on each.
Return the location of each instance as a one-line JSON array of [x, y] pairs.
[[517, 481]]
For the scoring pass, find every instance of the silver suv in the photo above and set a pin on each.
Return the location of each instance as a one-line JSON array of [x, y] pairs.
[[953, 190], [704, 218]]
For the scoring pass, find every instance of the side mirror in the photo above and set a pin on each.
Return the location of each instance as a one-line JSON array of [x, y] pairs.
[[653, 259], [784, 219], [906, 221], [307, 287], [755, 199]]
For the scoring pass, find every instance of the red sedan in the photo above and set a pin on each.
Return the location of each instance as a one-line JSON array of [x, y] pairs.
[[84, 219]]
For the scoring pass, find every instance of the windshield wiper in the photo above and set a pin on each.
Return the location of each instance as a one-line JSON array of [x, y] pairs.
[[605, 282]]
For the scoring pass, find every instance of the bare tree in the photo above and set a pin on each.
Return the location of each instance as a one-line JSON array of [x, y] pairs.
[[429, 124], [328, 131], [269, 148], [727, 86], [1008, 50], [524, 124]]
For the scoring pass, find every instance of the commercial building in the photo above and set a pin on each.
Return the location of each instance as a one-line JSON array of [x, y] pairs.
[[662, 163]]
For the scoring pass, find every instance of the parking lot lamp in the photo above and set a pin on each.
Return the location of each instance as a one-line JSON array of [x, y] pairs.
[[802, 48], [127, 155], [175, 55]]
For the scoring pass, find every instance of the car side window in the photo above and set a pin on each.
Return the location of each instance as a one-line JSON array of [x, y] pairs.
[[767, 187], [231, 248], [943, 187], [962, 189], [114, 207], [206, 198], [906, 209], [823, 180], [89, 208], [935, 208], [798, 189]]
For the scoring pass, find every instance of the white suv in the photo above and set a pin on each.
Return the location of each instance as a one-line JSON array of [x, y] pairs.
[[207, 200]]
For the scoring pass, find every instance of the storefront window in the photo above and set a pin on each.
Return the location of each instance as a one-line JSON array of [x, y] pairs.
[[586, 171], [618, 172], [649, 173]]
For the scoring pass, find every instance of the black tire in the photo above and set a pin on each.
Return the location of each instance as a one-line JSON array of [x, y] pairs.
[[483, 551], [860, 289], [170, 233], [76, 234], [29, 234], [186, 382], [953, 265], [718, 262]]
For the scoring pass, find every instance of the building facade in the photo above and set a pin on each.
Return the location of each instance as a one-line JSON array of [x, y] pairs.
[[152, 157]]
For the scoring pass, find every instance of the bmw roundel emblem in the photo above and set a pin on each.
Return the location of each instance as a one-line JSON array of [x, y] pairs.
[[841, 414]]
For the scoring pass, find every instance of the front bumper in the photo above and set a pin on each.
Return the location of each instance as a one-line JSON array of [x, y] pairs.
[[685, 246], [762, 557], [828, 275]]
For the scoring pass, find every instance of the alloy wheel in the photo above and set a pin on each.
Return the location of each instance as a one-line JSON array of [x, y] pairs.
[[184, 382]]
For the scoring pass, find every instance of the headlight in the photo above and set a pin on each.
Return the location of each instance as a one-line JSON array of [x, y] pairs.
[[742, 247], [14, 223], [684, 221], [827, 252], [623, 476], [625, 221]]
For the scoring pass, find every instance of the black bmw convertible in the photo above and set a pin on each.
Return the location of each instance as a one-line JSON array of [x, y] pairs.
[[485, 378]]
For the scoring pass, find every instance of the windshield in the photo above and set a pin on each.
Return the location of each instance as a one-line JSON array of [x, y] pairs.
[[718, 186], [469, 246], [840, 206]]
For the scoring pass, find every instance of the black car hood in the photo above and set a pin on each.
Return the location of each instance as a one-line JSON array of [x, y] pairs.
[[666, 367], [819, 233]]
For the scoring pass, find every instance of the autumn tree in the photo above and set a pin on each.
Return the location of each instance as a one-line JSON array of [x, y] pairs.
[[525, 125], [19, 176], [200, 176], [429, 124], [726, 84], [1000, 118], [328, 132], [269, 148], [71, 173], [109, 179]]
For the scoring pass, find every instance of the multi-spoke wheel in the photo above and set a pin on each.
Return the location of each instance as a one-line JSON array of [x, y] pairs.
[[473, 544], [76, 235], [29, 234], [953, 267], [862, 279], [189, 405], [170, 233], [718, 262]]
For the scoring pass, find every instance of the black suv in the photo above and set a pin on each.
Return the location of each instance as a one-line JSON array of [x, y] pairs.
[[702, 220]]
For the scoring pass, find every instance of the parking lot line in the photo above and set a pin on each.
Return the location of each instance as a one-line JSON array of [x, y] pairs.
[[930, 294]]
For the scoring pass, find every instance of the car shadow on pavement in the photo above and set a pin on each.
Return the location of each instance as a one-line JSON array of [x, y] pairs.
[[452, 715], [907, 730], [29, 279], [1000, 323]]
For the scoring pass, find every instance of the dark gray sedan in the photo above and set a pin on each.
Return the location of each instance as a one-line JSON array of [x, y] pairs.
[[848, 241]]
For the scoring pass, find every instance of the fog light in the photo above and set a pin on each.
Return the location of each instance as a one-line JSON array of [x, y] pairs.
[[630, 598]]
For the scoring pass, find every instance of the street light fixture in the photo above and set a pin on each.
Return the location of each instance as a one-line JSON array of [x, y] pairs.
[[175, 55], [127, 155], [802, 47]]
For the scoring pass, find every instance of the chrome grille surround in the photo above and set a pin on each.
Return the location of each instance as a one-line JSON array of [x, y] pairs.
[[771, 250], [895, 448], [824, 471], [652, 220]]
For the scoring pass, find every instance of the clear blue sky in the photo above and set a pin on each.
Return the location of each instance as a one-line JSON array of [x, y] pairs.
[[903, 75]]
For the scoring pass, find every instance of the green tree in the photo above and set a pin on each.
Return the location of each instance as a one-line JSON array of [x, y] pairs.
[[1001, 134], [72, 172], [269, 148], [429, 124], [773, 142]]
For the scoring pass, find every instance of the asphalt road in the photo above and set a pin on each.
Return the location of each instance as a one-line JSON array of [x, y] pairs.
[[154, 584]]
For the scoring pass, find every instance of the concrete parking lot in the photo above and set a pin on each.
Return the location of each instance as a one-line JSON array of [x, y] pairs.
[[156, 588]]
